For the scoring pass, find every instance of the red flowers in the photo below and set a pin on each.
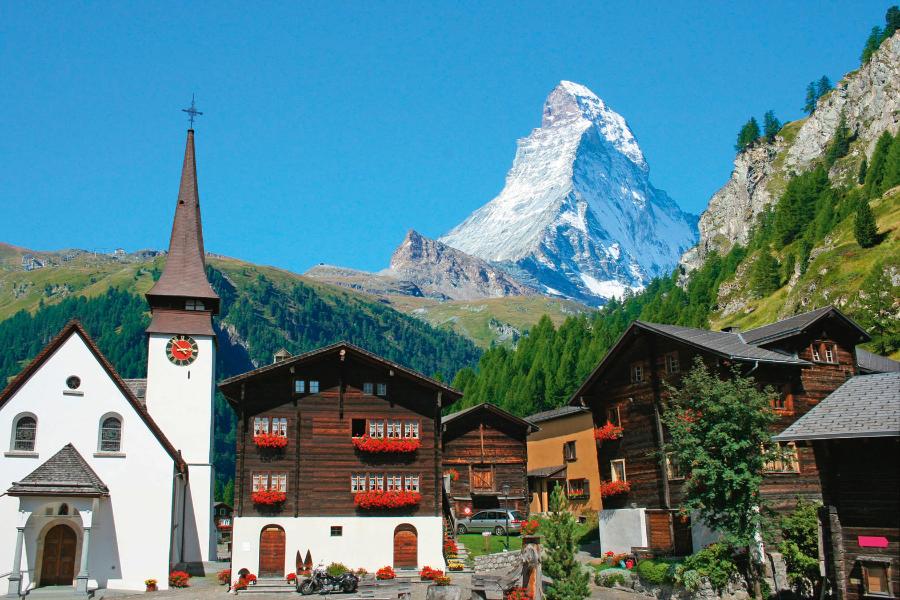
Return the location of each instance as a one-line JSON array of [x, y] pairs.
[[385, 573], [608, 432], [270, 440], [224, 576], [179, 579], [530, 526], [453, 473], [292, 577], [428, 574], [614, 488], [518, 593], [450, 548], [370, 444], [268, 497], [382, 499]]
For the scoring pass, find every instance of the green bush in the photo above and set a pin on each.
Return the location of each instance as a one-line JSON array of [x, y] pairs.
[[611, 580], [656, 572], [715, 562], [337, 569], [799, 545]]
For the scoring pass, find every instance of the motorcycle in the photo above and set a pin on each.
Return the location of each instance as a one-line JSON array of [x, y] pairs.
[[320, 581]]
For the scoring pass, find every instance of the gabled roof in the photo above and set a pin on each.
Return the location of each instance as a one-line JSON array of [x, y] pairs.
[[542, 472], [65, 473], [184, 274], [791, 326], [230, 390], [556, 413], [864, 406], [719, 343], [869, 362], [74, 327], [491, 408]]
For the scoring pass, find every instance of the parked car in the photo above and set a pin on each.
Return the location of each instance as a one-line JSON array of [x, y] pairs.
[[494, 521]]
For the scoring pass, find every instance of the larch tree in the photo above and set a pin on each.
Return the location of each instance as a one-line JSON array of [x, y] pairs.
[[865, 230], [771, 125], [809, 104]]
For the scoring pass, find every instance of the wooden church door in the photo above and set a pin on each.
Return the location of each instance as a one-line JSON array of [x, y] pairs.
[[271, 551], [58, 562], [406, 547]]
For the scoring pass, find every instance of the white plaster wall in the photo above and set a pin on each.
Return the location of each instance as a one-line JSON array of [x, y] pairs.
[[180, 400], [622, 528], [131, 531], [367, 542], [701, 534]]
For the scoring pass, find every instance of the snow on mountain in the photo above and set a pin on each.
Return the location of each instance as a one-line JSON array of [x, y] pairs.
[[578, 215]]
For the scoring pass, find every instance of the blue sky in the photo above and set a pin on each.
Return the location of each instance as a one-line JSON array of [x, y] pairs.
[[332, 128]]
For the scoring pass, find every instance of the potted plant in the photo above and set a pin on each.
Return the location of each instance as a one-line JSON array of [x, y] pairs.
[[179, 579], [441, 588], [268, 497], [428, 574], [224, 576], [386, 445], [614, 488], [608, 432], [375, 499], [151, 585], [291, 577], [270, 441], [385, 573]]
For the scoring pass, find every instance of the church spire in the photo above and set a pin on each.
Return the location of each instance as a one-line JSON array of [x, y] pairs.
[[184, 276]]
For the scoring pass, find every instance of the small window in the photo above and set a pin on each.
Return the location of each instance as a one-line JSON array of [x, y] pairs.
[[63, 509], [411, 429], [482, 478], [111, 435], [672, 466], [299, 386], [381, 389], [379, 429], [412, 483], [784, 401], [376, 483], [815, 353], [260, 482], [73, 382], [260, 425], [637, 372], [25, 434], [875, 578], [279, 426], [829, 354], [278, 482], [672, 364], [337, 531], [618, 469], [357, 483], [578, 488], [194, 305], [313, 387], [358, 427], [785, 461], [569, 451], [394, 483], [393, 428], [613, 416], [368, 388]]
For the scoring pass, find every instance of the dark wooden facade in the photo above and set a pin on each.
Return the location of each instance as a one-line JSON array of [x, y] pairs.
[[861, 515], [339, 398], [485, 447], [637, 406]]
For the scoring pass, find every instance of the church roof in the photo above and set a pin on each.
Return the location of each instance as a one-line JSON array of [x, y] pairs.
[[74, 327], [184, 275], [65, 473]]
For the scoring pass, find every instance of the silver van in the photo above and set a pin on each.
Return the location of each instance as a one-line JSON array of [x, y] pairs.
[[492, 520]]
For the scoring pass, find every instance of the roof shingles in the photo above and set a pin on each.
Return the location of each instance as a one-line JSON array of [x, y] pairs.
[[65, 473]]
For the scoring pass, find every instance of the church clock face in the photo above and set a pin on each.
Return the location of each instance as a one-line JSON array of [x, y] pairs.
[[182, 350]]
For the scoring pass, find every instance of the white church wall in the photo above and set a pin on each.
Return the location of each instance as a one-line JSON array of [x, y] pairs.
[[131, 533], [366, 542]]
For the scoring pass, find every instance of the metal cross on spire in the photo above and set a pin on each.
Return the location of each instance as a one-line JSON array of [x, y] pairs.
[[192, 111]]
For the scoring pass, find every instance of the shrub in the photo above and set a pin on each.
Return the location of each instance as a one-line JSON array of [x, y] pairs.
[[337, 569], [224, 576], [441, 580], [715, 562], [655, 572], [611, 580], [517, 593], [385, 573], [179, 579], [428, 574]]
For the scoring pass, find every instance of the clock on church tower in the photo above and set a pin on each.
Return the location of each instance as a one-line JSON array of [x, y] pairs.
[[181, 358]]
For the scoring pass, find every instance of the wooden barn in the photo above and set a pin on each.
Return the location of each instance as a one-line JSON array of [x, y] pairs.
[[855, 436], [338, 460], [484, 448], [804, 357]]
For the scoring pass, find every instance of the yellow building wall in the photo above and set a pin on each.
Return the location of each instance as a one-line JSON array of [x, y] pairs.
[[545, 449]]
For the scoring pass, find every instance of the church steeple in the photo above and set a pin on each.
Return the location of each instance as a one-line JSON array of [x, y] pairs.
[[183, 285]]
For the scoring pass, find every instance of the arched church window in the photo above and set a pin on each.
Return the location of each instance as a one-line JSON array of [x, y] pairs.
[[63, 509], [110, 434], [25, 433]]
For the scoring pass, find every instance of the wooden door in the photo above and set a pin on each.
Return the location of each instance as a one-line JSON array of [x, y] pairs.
[[406, 547], [684, 544], [271, 551], [659, 526], [58, 562]]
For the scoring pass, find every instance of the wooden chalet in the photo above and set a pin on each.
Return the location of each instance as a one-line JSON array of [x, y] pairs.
[[326, 441], [855, 436], [804, 357], [484, 448]]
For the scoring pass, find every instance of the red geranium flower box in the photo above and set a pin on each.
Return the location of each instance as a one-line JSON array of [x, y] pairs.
[[382, 499], [608, 432], [268, 497], [614, 488], [270, 440], [392, 445]]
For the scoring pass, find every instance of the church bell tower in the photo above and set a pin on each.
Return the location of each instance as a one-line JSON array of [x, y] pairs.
[[181, 362]]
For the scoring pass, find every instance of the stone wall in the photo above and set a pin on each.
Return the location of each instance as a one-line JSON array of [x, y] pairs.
[[501, 561]]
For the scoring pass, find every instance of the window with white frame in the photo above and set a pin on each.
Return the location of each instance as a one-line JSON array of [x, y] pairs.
[[357, 483], [394, 483], [672, 364], [381, 389], [412, 483], [614, 416], [279, 426], [617, 467], [368, 388], [815, 353], [194, 305], [411, 429], [260, 482], [110, 434], [260, 425], [829, 354], [393, 428], [637, 372], [376, 483], [379, 429], [278, 482], [786, 459], [24, 433]]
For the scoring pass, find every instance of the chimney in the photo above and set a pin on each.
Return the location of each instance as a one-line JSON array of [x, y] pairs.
[[281, 355]]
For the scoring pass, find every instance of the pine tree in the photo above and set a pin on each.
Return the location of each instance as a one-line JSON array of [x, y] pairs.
[[228, 493], [876, 310], [891, 21], [748, 135], [810, 105], [771, 125], [865, 230], [872, 43], [823, 86], [892, 165], [840, 143], [765, 275], [878, 165], [861, 175], [570, 579]]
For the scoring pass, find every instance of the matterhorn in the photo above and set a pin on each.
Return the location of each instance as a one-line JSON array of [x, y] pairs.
[[578, 216]]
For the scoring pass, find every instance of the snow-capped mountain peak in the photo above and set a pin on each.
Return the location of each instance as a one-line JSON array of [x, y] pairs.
[[578, 216]]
